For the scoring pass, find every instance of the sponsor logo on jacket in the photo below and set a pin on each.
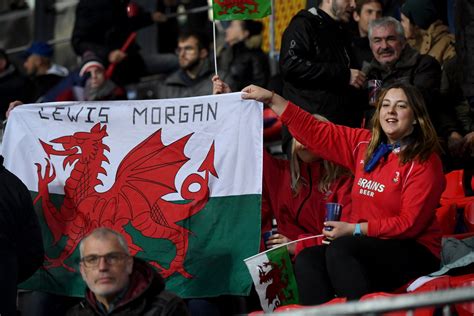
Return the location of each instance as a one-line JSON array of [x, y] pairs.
[[369, 187]]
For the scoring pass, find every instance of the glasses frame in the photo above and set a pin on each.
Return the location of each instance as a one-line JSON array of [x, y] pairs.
[[186, 49], [111, 259]]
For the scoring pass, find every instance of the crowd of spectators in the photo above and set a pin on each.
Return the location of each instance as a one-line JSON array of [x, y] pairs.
[[337, 58]]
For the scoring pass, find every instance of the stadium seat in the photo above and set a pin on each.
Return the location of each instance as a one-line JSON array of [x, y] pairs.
[[418, 312], [446, 215], [469, 216], [454, 192], [289, 307], [464, 309], [271, 126]]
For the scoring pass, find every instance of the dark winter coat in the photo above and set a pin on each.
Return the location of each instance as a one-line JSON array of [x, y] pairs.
[[146, 296], [464, 18], [315, 66], [244, 66], [13, 86], [102, 26], [180, 85], [315, 62], [20, 232]]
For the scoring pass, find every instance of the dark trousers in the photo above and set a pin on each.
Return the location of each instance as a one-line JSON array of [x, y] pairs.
[[8, 279], [354, 266]]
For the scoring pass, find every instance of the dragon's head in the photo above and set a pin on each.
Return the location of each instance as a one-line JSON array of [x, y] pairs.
[[80, 145]]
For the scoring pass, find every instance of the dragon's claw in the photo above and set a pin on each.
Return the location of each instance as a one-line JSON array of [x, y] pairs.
[[56, 263], [165, 273]]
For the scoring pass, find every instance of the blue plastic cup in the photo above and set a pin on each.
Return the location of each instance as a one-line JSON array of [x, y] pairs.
[[267, 235], [333, 213]]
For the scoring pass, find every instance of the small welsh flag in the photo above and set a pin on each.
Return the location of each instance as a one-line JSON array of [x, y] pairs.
[[272, 274], [241, 9]]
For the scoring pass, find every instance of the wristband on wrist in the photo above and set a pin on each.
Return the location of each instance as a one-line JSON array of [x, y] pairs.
[[357, 230]]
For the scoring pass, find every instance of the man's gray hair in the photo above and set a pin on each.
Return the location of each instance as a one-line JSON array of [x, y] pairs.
[[105, 233], [387, 21]]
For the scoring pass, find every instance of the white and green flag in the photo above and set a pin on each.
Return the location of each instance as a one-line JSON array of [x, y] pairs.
[[179, 178], [273, 277]]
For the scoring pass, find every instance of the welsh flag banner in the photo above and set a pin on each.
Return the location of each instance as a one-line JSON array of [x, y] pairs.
[[179, 178], [273, 277], [241, 9]]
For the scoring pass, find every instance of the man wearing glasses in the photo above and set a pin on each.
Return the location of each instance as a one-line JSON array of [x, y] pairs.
[[119, 284], [193, 78]]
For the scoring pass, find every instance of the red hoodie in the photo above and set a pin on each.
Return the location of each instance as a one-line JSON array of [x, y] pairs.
[[303, 213], [397, 201]]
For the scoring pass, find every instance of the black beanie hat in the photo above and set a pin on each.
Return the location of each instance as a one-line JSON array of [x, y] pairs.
[[89, 59], [422, 13]]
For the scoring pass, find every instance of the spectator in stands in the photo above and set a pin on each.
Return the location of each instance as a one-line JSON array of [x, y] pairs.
[[21, 242], [241, 57], [97, 86], [295, 192], [460, 144], [167, 31], [195, 73], [393, 235], [103, 27], [395, 61], [13, 85], [119, 284], [365, 12], [316, 65], [424, 30], [464, 22], [39, 66]]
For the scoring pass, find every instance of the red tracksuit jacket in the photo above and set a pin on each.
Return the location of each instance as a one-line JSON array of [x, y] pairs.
[[303, 213], [397, 201]]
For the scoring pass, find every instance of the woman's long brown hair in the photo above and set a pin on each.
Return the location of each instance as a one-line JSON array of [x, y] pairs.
[[423, 140]]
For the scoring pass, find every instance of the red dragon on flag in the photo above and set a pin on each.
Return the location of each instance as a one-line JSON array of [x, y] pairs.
[[144, 177], [241, 9]]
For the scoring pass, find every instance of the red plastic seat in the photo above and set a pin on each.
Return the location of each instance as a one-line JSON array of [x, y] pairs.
[[289, 308], [464, 309], [454, 192], [469, 216], [446, 216], [417, 312]]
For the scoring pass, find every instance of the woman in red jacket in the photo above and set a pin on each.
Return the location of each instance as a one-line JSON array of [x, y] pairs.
[[295, 192], [392, 235]]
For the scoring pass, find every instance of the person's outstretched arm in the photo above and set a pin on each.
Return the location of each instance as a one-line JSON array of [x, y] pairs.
[[276, 102]]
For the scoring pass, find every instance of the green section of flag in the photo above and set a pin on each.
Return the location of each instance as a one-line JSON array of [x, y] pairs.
[[241, 9], [223, 233], [273, 277], [281, 258]]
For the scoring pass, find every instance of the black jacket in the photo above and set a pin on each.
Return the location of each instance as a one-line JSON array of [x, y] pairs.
[[102, 26], [244, 66], [20, 232], [180, 85], [13, 86], [464, 21], [315, 62], [146, 296]]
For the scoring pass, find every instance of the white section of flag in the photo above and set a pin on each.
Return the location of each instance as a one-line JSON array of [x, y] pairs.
[[236, 131]]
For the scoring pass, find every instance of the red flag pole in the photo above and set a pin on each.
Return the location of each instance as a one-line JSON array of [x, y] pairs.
[[128, 42]]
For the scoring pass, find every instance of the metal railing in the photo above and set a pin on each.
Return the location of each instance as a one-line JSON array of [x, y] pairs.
[[408, 303]]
